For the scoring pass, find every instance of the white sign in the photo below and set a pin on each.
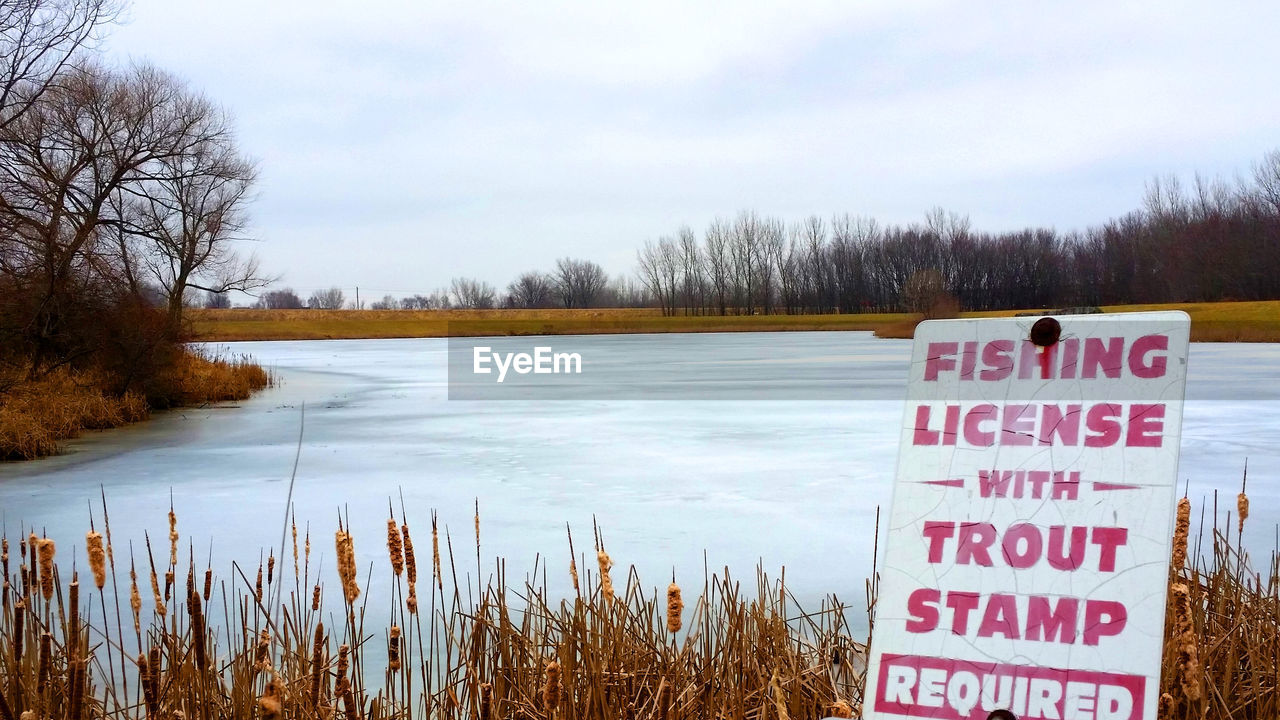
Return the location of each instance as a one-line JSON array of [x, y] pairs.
[[1028, 542]]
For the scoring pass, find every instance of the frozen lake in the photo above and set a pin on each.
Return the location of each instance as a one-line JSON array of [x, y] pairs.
[[788, 481]]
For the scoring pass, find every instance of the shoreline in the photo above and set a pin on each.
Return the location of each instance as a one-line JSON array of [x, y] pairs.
[[1257, 321]]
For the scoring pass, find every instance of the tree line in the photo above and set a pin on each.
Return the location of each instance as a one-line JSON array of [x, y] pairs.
[[1210, 241], [1213, 241], [122, 191]]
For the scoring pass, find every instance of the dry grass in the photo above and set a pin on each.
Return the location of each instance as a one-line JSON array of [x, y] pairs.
[[37, 414], [1210, 322], [231, 648], [1222, 630], [279, 646], [230, 325]]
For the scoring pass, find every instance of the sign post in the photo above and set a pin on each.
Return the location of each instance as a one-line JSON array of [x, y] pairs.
[[1028, 541]]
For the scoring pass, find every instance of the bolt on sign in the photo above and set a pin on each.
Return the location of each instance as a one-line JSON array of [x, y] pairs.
[[1028, 545]]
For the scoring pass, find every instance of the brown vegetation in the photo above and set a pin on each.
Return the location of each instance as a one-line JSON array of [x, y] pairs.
[[239, 649], [468, 651], [37, 413]]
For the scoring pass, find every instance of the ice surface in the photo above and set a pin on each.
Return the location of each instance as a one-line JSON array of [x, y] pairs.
[[778, 481]]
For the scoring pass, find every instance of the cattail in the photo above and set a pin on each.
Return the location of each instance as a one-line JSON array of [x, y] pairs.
[[606, 582], [173, 538], [840, 709], [45, 548], [395, 547], [412, 601], [135, 599], [1181, 530], [168, 585], [271, 569], [1242, 509], [435, 554], [343, 687], [551, 690], [343, 662], [73, 597], [293, 529], [208, 583], [75, 687], [573, 573], [315, 598], [43, 662], [261, 657], [347, 566], [393, 649], [97, 558], [1184, 638], [1164, 709], [19, 617], [317, 665], [269, 701], [257, 588], [4, 557], [197, 630], [155, 593], [410, 564], [675, 606], [146, 678]]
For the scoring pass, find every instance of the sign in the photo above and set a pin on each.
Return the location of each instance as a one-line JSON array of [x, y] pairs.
[[1028, 541]]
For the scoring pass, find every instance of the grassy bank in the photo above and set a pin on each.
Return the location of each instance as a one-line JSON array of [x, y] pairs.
[[37, 414], [291, 641], [1210, 322]]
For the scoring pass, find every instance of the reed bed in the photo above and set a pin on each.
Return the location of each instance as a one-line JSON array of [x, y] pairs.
[[38, 413], [155, 634], [1222, 622]]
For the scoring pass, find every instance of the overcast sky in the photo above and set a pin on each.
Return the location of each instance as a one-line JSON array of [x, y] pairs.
[[402, 144]]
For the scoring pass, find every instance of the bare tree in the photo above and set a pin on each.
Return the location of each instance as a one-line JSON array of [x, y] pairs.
[[472, 294], [191, 210], [94, 134], [283, 299], [331, 299], [38, 40], [531, 290], [578, 282]]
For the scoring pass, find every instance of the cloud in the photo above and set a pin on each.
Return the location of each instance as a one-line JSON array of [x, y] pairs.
[[405, 143]]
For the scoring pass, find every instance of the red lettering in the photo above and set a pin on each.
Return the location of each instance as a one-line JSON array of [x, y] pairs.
[[1146, 367], [923, 606], [939, 357], [1146, 425]]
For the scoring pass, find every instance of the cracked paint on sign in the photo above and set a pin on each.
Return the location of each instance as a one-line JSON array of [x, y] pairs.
[[1029, 536]]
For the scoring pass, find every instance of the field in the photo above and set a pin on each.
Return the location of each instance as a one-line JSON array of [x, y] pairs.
[[1210, 322]]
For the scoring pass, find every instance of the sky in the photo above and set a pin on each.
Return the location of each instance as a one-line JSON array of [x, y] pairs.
[[401, 144]]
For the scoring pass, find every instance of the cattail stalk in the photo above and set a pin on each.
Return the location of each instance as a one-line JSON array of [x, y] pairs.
[[1181, 530], [347, 566], [395, 547], [1184, 639], [197, 630], [317, 665], [146, 678], [97, 558], [551, 689], [46, 549], [675, 606], [173, 538], [606, 582], [393, 649]]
